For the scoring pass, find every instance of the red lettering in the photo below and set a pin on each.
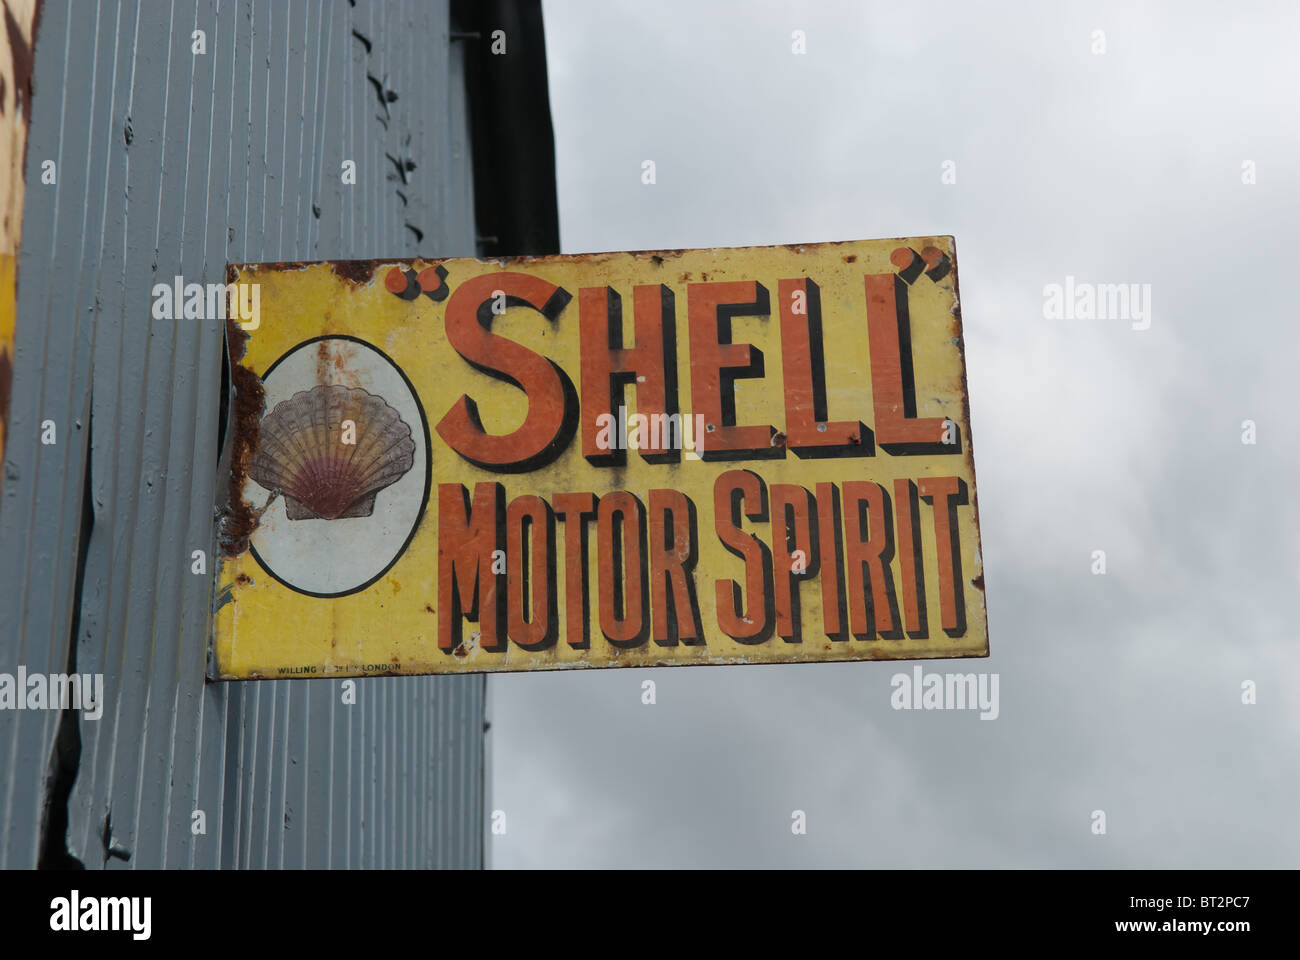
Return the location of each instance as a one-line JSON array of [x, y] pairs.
[[893, 391], [466, 584], [808, 432], [622, 569], [716, 363], [674, 611], [793, 510], [829, 542], [750, 621], [552, 401], [867, 559], [946, 493], [531, 585], [607, 366], [575, 508], [910, 560]]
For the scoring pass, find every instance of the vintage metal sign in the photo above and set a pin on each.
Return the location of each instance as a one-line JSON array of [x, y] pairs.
[[628, 459]]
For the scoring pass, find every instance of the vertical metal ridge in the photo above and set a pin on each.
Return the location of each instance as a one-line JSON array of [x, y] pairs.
[[165, 664], [97, 596], [195, 597], [156, 418]]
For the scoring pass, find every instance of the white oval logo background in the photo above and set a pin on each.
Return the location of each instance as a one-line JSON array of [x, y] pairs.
[[333, 557]]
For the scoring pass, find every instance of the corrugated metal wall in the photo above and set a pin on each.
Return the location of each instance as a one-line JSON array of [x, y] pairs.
[[175, 163]]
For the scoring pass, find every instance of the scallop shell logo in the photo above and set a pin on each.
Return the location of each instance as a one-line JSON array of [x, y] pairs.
[[342, 467], [330, 450]]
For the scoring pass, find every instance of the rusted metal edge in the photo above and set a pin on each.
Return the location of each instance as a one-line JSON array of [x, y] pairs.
[[978, 581], [363, 271], [236, 518], [343, 672]]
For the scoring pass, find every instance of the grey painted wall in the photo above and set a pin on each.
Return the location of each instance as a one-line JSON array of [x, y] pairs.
[[173, 163]]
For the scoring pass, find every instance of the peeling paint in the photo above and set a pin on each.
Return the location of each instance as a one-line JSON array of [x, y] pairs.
[[247, 400]]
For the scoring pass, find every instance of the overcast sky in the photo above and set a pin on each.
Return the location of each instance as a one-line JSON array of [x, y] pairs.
[[1120, 692]]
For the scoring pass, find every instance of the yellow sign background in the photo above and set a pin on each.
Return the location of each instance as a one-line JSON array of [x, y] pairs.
[[262, 628]]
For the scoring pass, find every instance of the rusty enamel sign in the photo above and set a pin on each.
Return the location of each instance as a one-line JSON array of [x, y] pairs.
[[753, 455]]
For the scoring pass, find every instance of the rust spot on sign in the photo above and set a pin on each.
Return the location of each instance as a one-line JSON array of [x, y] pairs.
[[968, 452], [463, 648], [249, 399], [323, 360], [354, 271], [357, 273], [21, 49]]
